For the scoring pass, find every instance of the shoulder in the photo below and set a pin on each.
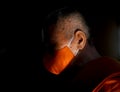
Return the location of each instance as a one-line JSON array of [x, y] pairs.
[[104, 65], [109, 84], [96, 71]]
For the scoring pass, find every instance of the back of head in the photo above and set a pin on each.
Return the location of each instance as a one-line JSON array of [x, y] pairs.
[[65, 28], [60, 16]]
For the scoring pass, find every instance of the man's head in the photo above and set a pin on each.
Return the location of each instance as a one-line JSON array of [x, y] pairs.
[[63, 25], [64, 34]]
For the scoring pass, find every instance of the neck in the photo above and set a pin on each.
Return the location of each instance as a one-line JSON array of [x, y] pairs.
[[88, 54]]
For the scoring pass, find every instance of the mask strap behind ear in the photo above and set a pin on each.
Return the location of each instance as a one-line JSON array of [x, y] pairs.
[[76, 52], [70, 42]]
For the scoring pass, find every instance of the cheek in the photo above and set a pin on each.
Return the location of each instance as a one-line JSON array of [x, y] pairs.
[[59, 39]]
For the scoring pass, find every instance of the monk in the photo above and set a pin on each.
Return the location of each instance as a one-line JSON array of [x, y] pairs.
[[71, 61]]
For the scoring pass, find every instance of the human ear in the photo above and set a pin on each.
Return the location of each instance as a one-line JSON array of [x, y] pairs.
[[80, 38]]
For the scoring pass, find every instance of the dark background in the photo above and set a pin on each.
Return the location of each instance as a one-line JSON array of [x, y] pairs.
[[21, 24]]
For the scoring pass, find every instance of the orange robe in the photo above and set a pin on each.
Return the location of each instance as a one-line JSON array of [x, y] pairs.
[[100, 75], [109, 84]]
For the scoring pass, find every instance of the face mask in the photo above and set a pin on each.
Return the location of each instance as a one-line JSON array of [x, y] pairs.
[[62, 57]]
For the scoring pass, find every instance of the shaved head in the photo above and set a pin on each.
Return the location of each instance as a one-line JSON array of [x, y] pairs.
[[61, 25], [69, 24]]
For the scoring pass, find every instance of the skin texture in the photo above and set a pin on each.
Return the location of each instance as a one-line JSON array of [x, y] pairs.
[[64, 31], [67, 31]]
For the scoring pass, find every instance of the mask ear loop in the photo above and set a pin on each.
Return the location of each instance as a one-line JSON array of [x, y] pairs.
[[76, 52], [69, 43]]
